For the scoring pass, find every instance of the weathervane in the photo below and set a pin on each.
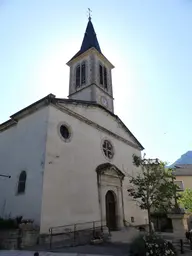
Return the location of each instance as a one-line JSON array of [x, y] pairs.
[[89, 13]]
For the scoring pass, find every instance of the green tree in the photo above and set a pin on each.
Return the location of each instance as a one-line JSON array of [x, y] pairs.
[[185, 200], [153, 187]]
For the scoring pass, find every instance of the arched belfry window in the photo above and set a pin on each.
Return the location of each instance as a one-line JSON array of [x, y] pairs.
[[78, 75], [81, 74], [103, 76], [22, 182]]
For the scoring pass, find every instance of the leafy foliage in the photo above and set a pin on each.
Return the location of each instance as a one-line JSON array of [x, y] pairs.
[[13, 223], [7, 224], [151, 245], [153, 188], [137, 247], [185, 200]]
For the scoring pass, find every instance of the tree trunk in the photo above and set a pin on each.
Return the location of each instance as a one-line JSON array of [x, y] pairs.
[[149, 218]]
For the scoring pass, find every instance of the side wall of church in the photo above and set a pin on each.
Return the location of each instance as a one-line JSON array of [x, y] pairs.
[[70, 191], [22, 148]]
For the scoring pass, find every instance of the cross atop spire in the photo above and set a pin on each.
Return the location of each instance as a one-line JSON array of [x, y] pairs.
[[89, 13]]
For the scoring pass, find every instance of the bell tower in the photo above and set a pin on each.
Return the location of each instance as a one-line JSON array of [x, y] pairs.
[[90, 72]]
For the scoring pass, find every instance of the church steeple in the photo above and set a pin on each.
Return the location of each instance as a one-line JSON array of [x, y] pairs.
[[89, 40], [90, 72]]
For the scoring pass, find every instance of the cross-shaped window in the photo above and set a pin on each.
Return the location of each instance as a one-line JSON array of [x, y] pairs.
[[108, 149]]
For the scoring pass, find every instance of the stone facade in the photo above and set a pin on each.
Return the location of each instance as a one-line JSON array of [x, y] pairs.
[[17, 239], [71, 180], [67, 163]]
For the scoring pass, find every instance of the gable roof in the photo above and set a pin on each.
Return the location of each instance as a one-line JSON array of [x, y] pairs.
[[51, 99]]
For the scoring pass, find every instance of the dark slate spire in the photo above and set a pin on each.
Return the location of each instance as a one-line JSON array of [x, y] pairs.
[[89, 40]]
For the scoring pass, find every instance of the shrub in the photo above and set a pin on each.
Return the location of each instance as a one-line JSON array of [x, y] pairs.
[[13, 223], [151, 245], [7, 224], [137, 247]]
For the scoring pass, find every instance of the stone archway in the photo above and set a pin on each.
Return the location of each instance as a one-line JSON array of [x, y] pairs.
[[109, 181], [111, 210]]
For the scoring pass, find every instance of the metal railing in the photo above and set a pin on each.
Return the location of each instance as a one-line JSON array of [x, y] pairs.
[[76, 234]]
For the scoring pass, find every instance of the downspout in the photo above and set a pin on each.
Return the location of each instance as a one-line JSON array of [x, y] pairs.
[[122, 204]]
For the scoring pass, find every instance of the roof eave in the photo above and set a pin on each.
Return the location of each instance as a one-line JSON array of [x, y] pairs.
[[26, 111], [7, 124], [92, 49], [31, 107]]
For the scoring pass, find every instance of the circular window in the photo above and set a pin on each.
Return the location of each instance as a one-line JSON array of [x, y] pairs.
[[108, 149], [65, 133]]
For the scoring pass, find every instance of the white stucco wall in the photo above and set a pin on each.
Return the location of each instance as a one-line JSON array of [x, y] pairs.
[[22, 147], [100, 93], [102, 118], [70, 193], [85, 94]]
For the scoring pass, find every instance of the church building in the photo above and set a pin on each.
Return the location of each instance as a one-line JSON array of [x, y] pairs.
[[70, 160]]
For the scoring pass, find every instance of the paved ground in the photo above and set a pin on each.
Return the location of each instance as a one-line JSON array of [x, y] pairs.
[[27, 253], [116, 249], [107, 249], [118, 246]]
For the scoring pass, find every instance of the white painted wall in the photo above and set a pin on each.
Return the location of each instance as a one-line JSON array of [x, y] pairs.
[[70, 193], [101, 117], [22, 147], [100, 93], [85, 94]]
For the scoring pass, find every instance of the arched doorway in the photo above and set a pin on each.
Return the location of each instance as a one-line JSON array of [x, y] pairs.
[[110, 201]]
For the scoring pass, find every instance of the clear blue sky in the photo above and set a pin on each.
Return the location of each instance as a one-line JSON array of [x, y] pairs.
[[148, 41]]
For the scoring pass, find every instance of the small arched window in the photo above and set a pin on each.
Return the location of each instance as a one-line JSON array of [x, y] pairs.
[[22, 182], [80, 74]]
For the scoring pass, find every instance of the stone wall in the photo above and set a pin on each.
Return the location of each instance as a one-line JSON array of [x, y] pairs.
[[17, 239], [9, 239]]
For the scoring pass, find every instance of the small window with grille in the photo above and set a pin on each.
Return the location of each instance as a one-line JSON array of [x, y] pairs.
[[132, 219], [180, 186]]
